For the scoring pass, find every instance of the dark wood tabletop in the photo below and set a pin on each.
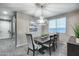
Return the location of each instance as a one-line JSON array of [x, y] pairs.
[[72, 47], [42, 40]]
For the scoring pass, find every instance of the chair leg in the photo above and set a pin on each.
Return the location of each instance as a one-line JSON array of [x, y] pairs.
[[33, 52], [28, 51], [54, 47], [50, 51]]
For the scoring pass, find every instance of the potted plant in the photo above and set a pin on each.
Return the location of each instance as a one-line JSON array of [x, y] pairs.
[[76, 32]]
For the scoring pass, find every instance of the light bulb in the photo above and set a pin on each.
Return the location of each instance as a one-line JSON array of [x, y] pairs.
[[5, 12], [41, 20]]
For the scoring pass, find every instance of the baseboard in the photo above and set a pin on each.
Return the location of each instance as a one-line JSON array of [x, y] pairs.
[[5, 38], [19, 45]]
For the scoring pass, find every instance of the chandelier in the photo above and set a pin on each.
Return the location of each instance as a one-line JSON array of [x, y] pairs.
[[41, 18]]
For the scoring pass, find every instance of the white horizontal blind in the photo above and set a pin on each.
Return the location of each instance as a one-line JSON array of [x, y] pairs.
[[57, 25]]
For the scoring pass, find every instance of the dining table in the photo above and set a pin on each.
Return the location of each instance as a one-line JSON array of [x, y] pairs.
[[40, 41]]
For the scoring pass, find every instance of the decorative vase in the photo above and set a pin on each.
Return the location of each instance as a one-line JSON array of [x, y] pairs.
[[77, 40]]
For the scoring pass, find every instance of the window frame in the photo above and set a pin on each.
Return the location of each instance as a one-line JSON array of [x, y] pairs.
[[56, 24]]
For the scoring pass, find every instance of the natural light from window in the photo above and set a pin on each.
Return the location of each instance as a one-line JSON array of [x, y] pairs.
[[57, 25]]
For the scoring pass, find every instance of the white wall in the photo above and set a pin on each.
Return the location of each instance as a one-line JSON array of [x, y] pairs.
[[22, 28], [39, 28], [23, 25], [45, 28], [72, 19]]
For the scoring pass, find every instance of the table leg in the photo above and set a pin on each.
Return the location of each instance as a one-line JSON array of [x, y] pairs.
[[41, 50]]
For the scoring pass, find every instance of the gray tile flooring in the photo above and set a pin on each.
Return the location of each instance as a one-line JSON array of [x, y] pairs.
[[7, 48], [61, 51]]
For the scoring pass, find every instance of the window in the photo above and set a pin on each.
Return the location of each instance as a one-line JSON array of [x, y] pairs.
[[57, 25]]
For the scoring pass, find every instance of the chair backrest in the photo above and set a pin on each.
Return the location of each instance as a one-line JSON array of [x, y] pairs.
[[51, 39], [56, 37], [30, 40]]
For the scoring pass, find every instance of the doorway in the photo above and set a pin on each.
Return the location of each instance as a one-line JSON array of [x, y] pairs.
[[5, 29]]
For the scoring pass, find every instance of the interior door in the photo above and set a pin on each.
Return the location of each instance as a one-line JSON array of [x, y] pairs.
[[5, 29]]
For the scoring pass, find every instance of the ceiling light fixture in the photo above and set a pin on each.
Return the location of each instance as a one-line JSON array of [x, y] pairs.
[[41, 19], [5, 12]]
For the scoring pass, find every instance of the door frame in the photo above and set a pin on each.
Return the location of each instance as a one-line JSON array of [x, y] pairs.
[[10, 27]]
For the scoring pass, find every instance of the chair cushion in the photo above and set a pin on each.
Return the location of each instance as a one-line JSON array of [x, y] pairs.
[[36, 46], [47, 45]]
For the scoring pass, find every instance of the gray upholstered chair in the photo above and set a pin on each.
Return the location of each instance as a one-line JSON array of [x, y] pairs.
[[49, 44], [31, 44], [52, 43]]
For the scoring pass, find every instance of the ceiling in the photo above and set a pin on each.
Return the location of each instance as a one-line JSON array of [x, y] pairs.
[[49, 9]]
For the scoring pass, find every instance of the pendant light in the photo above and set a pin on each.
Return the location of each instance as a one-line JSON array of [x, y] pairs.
[[41, 18]]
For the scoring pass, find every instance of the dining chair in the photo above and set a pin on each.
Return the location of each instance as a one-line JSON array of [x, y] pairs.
[[56, 38], [31, 44], [50, 43]]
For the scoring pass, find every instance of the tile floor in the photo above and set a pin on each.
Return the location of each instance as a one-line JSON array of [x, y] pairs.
[[7, 48]]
